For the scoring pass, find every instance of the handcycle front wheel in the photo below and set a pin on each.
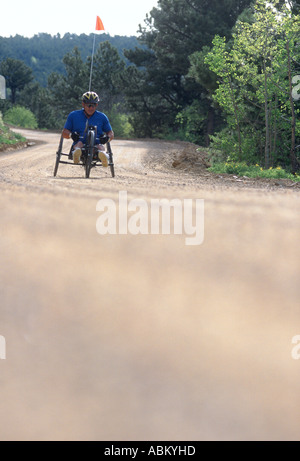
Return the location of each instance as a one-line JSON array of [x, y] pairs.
[[89, 153]]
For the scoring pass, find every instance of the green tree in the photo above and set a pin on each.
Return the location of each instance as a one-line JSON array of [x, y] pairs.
[[172, 32], [142, 106], [200, 72], [223, 63], [255, 78], [38, 99], [17, 75], [289, 57], [66, 90], [107, 72]]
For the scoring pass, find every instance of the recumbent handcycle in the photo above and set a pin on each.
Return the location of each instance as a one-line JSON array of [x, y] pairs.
[[89, 158]]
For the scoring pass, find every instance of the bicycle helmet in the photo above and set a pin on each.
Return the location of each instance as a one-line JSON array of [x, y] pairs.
[[90, 97]]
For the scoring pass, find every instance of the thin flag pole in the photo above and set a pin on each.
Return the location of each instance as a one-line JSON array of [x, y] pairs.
[[99, 26], [91, 71]]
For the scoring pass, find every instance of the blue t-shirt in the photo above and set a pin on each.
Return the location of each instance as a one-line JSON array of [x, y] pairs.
[[77, 121]]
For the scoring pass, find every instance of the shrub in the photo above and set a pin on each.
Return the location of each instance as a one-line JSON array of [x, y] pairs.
[[224, 145], [7, 137], [120, 123], [252, 171], [20, 116]]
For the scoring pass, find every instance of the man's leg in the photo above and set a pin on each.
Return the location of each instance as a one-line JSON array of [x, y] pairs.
[[103, 156], [77, 152]]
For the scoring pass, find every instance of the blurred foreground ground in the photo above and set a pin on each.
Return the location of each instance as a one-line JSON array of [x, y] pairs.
[[124, 337]]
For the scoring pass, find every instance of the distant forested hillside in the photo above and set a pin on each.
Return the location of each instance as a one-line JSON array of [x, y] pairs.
[[44, 52]]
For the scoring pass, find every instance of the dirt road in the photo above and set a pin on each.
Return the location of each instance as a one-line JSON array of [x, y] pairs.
[[142, 337]]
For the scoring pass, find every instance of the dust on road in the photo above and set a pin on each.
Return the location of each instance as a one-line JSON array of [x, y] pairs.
[[141, 337]]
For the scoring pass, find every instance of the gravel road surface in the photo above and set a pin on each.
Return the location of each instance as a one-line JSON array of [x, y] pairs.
[[143, 337]]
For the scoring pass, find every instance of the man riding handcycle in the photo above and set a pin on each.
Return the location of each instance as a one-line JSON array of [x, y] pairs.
[[90, 130]]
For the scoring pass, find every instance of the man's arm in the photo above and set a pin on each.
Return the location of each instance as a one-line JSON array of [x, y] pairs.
[[111, 135], [66, 134]]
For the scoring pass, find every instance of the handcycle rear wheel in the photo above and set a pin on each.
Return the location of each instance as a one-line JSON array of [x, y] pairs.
[[111, 163], [58, 155]]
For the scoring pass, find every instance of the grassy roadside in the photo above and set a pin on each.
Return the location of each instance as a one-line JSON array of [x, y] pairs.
[[8, 138], [252, 171]]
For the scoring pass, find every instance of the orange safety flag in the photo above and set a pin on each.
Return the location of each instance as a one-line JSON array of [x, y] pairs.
[[99, 24]]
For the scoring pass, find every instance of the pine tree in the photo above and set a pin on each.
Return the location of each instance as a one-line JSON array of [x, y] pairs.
[[172, 32]]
